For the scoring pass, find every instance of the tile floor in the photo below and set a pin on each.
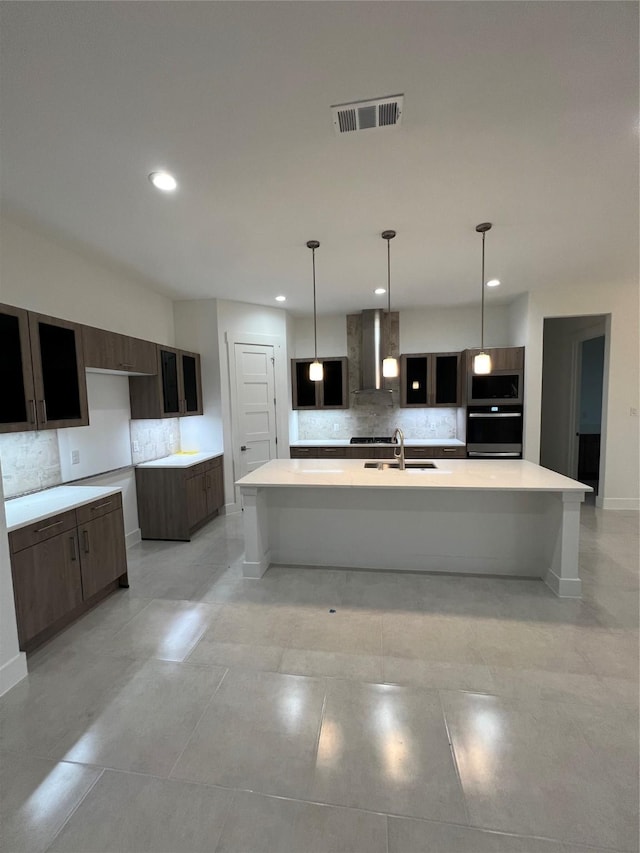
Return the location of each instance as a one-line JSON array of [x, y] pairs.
[[198, 711]]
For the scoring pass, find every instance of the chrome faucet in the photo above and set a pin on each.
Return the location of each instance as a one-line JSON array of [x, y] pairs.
[[399, 456]]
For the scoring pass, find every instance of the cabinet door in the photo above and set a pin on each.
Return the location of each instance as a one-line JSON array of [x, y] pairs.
[[215, 489], [334, 391], [445, 384], [46, 583], [58, 372], [303, 452], [110, 351], [306, 394], [103, 556], [170, 379], [414, 380], [191, 384], [196, 488], [17, 399]]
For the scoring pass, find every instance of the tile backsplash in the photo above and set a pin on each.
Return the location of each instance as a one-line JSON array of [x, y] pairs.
[[376, 417], [30, 461], [154, 439]]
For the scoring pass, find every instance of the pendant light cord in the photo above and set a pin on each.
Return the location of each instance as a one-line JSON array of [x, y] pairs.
[[389, 277], [315, 316], [482, 302]]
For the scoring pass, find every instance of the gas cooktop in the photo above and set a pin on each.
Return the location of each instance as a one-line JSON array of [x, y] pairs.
[[372, 439]]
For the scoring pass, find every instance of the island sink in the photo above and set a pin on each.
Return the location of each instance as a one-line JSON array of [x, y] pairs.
[[383, 466]]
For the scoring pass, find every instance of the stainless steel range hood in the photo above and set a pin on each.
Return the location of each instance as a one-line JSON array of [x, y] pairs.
[[371, 346]]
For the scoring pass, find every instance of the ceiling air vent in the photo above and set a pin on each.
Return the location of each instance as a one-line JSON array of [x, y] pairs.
[[367, 115]]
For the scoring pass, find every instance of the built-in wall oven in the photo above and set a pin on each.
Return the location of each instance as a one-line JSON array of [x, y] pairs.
[[494, 432], [500, 387]]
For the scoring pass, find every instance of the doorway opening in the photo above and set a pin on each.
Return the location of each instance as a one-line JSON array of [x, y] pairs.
[[573, 381]]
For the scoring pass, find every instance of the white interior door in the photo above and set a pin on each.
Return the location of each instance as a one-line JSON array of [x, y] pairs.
[[256, 407]]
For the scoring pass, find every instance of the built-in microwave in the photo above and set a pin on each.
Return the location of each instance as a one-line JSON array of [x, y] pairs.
[[501, 386]]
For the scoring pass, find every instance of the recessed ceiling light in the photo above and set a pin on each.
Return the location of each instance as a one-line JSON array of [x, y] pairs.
[[281, 298], [379, 291], [163, 181], [493, 283]]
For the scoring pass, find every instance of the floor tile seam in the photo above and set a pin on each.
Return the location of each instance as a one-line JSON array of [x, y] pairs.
[[199, 720], [454, 758], [74, 809]]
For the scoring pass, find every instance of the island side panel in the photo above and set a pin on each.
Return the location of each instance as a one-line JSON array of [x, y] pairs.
[[478, 532], [257, 557], [564, 528]]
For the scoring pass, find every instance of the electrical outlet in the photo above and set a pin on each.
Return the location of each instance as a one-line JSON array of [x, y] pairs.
[[633, 412], [336, 427], [75, 457], [171, 437], [136, 447]]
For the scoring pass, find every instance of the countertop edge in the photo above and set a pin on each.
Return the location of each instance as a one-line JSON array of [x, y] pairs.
[[98, 492], [189, 461]]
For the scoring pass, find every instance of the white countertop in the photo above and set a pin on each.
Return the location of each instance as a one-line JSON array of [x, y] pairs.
[[179, 460], [472, 474], [31, 508], [409, 442]]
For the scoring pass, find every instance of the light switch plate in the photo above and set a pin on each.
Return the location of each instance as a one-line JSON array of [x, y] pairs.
[[75, 457], [136, 447]]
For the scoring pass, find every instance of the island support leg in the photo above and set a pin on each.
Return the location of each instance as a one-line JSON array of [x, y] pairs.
[[257, 556], [563, 577]]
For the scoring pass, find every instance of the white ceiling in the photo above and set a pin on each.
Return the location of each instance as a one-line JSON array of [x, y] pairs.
[[521, 113]]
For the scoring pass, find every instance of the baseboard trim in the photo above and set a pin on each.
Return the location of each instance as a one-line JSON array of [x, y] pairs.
[[256, 570], [618, 503], [564, 587], [12, 672], [133, 538]]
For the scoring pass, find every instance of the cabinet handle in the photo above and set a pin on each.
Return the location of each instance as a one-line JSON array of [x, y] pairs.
[[85, 536], [48, 527], [125, 364], [32, 403], [74, 555], [44, 411], [449, 449], [99, 506]]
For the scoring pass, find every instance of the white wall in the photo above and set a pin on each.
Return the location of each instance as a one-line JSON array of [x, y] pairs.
[[44, 275], [560, 334], [421, 330], [619, 480], [105, 444], [13, 662], [246, 323], [196, 325]]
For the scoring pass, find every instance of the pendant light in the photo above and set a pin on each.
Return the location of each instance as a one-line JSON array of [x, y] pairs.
[[389, 364], [482, 361], [316, 372]]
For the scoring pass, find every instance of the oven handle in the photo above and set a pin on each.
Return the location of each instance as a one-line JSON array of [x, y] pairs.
[[489, 453], [495, 415]]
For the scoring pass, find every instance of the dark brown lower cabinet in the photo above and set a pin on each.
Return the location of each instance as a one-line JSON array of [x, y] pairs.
[[63, 565], [174, 502], [375, 452], [46, 583], [103, 554]]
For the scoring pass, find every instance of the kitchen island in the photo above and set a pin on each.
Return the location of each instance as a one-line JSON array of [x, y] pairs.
[[462, 516]]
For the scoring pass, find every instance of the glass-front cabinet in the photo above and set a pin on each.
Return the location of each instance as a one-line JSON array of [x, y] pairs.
[[175, 392], [430, 379], [42, 372], [330, 393]]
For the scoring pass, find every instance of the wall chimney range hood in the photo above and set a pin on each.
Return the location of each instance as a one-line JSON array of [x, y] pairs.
[[372, 345]]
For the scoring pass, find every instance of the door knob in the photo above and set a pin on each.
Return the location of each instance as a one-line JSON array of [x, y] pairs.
[[243, 447]]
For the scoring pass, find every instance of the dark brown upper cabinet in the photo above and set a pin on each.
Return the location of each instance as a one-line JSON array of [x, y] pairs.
[[105, 350], [44, 384], [175, 390], [502, 358], [430, 380], [331, 393]]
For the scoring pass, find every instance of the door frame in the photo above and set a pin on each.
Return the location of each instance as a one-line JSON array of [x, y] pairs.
[[249, 339], [597, 330]]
